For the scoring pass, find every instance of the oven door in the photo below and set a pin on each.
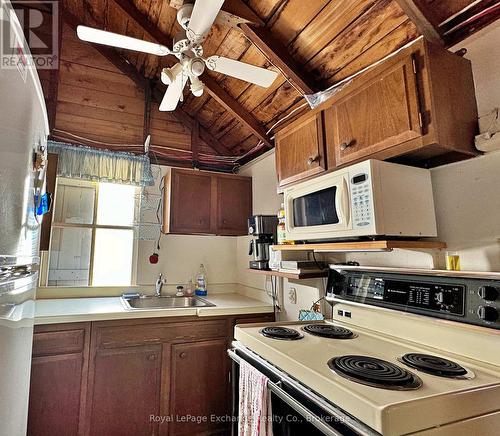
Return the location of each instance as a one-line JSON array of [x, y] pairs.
[[318, 209], [295, 409]]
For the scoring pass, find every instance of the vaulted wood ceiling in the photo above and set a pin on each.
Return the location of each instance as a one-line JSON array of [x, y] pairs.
[[312, 44]]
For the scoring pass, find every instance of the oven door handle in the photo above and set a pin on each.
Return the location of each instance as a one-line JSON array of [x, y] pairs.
[[299, 408]]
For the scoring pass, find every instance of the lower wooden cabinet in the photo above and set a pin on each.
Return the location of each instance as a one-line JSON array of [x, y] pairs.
[[199, 387], [167, 376], [126, 388], [58, 380]]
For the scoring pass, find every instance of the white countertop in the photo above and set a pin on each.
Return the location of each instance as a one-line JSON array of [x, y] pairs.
[[63, 310]]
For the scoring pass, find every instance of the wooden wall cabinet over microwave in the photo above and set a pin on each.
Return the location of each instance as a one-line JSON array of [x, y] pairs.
[[418, 108], [198, 202]]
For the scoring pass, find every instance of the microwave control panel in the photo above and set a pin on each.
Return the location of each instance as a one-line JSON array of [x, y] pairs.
[[361, 201]]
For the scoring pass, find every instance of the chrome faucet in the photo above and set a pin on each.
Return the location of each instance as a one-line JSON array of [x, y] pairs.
[[158, 285]]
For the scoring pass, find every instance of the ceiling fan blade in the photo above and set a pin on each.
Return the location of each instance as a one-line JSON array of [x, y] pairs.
[[98, 36], [173, 93], [241, 70], [203, 16]]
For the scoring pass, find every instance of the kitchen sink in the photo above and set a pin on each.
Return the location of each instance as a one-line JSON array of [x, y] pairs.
[[166, 302]]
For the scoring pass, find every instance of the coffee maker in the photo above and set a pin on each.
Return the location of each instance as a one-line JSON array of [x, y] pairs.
[[263, 229]]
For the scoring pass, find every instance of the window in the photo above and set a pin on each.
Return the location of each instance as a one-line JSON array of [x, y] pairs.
[[92, 237]]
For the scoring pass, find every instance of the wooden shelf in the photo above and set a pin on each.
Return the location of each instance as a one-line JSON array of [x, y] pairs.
[[385, 245], [313, 275]]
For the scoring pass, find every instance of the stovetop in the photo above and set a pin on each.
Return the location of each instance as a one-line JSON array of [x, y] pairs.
[[348, 373]]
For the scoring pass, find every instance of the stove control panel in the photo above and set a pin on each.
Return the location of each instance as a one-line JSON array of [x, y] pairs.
[[472, 301]]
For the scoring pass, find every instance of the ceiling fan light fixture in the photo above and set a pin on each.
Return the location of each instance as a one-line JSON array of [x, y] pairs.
[[197, 66], [184, 15], [168, 75], [197, 86]]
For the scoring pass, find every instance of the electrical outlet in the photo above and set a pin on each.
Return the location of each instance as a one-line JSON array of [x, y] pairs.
[[292, 295]]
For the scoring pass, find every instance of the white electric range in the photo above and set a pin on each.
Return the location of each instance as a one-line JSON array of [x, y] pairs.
[[393, 361]]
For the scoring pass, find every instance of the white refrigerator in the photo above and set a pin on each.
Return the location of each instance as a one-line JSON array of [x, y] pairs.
[[23, 135]]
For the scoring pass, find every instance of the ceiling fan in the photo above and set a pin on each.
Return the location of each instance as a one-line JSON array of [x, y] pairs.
[[196, 21]]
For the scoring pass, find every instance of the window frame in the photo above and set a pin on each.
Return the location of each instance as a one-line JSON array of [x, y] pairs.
[[93, 227]]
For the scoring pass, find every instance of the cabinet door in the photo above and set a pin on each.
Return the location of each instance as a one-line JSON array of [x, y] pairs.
[[234, 205], [300, 150], [190, 202], [54, 405], [58, 377], [375, 116], [199, 388], [126, 385]]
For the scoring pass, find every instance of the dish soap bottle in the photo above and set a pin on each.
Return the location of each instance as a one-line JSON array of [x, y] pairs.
[[201, 282]]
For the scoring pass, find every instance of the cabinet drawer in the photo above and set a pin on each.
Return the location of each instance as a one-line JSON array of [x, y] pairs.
[[58, 342], [124, 335]]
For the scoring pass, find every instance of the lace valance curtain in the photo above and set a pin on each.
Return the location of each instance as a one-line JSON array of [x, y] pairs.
[[79, 162]]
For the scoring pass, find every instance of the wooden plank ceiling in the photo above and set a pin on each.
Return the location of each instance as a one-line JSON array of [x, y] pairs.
[[324, 41]]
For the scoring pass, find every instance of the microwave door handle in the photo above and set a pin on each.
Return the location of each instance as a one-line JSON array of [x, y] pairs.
[[344, 201]]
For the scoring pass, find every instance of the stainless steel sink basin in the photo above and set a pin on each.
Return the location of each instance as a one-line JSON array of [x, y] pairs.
[[166, 302]]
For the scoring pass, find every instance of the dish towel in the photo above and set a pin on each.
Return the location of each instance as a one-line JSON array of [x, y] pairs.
[[255, 415]]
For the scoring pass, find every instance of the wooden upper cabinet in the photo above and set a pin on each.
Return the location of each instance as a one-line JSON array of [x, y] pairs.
[[198, 202], [378, 115], [416, 108], [234, 205], [190, 202], [300, 150]]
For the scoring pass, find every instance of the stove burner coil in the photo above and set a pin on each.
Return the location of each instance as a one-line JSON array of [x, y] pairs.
[[329, 331], [282, 333], [434, 365], [374, 372]]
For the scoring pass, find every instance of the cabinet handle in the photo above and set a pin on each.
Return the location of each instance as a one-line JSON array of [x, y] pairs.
[[183, 355], [152, 357], [312, 159], [345, 145]]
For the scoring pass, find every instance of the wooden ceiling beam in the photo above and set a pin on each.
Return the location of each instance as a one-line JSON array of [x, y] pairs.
[[470, 20], [211, 86], [233, 13], [130, 71], [421, 15], [278, 55], [242, 115]]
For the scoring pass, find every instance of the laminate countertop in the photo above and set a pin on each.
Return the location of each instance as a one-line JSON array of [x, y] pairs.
[[64, 310]]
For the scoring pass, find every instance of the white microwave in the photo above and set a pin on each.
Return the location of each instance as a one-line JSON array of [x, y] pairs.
[[371, 198]]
